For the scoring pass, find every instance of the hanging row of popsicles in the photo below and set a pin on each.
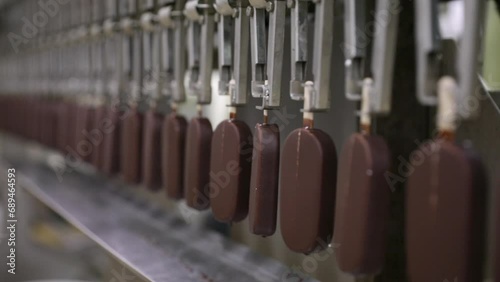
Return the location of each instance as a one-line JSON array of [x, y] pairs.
[[107, 86]]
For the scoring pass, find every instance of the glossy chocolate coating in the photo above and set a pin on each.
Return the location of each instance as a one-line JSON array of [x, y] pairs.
[[27, 123], [173, 145], [88, 128], [49, 124], [307, 190], [23, 127], [197, 166], [263, 204], [18, 126], [52, 142], [151, 150], [82, 146], [71, 135], [42, 119], [33, 126], [58, 128], [230, 168], [55, 119], [363, 205], [103, 125], [7, 104], [42, 122], [445, 215], [45, 123], [131, 146], [97, 135], [38, 124], [110, 160], [62, 126]]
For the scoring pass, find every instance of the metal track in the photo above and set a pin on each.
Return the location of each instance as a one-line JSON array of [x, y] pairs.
[[152, 243]]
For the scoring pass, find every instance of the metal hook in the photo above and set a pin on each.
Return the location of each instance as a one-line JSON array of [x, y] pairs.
[[267, 67]]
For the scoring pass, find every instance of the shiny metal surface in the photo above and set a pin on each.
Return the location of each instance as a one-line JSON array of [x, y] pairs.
[[355, 47], [201, 32], [322, 57], [384, 48], [153, 243], [241, 76], [267, 46], [299, 28]]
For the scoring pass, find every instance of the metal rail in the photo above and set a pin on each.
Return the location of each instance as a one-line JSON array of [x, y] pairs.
[[153, 243]]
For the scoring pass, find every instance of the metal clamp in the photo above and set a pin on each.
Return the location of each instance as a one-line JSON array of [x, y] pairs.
[[299, 28], [468, 58], [173, 19], [96, 30], [384, 50], [147, 5], [128, 26], [355, 47], [322, 58], [98, 59], [429, 52], [177, 86], [166, 18], [149, 22], [130, 83], [267, 62], [239, 93], [224, 37], [194, 42], [110, 26], [233, 49], [98, 11], [151, 52], [150, 46], [112, 50], [112, 12], [201, 31], [225, 7]]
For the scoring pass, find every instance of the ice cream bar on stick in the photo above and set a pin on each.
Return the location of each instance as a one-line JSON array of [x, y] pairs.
[[445, 198], [309, 160], [231, 152], [110, 149], [173, 131], [363, 193], [153, 118], [201, 31], [130, 87], [267, 50]]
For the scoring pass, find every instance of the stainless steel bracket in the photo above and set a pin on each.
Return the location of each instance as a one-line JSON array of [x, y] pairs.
[[429, 53], [299, 27], [238, 91], [355, 47], [384, 50], [319, 88], [201, 31], [267, 62]]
